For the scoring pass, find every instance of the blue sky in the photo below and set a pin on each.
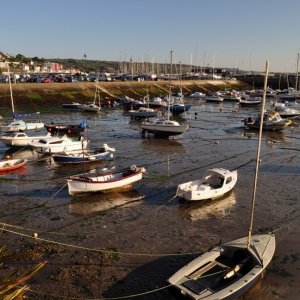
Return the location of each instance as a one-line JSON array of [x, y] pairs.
[[220, 33]]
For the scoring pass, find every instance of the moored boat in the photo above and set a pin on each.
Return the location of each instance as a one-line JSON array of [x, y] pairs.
[[58, 144], [142, 112], [90, 183], [20, 139], [163, 127], [215, 183], [214, 98], [66, 128], [226, 271], [20, 125], [84, 156], [11, 164], [179, 108], [71, 105], [285, 111], [250, 101], [271, 121]]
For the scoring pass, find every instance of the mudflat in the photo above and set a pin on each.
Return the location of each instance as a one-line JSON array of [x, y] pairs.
[[129, 242]]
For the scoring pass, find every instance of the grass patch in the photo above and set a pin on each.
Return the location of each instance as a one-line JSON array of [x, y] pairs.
[[34, 97], [68, 95]]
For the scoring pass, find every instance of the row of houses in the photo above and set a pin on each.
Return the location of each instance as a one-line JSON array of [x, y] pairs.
[[33, 67]]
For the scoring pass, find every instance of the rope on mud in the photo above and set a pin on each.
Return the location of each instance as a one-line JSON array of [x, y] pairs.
[[35, 237], [166, 203], [54, 195], [114, 298], [128, 296]]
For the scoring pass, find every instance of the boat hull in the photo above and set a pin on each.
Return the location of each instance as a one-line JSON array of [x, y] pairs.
[[81, 157], [270, 127], [57, 146], [179, 109], [12, 164], [163, 130], [21, 126], [210, 187], [63, 129], [104, 183]]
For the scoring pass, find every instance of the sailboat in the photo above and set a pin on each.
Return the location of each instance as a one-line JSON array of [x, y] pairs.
[[164, 127], [177, 105], [143, 112], [18, 125], [228, 270], [94, 106]]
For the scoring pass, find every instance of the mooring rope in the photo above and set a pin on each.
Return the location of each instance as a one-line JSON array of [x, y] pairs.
[[36, 237], [127, 296]]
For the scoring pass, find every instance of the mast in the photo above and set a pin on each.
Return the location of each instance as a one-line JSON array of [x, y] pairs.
[[296, 85], [170, 82], [258, 155], [11, 95]]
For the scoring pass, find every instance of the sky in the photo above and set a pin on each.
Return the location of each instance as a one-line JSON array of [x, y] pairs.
[[217, 33]]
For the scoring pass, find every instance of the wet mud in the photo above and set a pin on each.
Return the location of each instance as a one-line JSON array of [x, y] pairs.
[[130, 242]]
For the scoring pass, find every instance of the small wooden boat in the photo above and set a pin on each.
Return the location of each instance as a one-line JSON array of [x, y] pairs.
[[214, 184], [271, 121], [84, 156], [90, 183], [11, 164], [66, 128]]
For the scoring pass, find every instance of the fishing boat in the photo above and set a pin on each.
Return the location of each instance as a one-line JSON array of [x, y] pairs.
[[230, 269], [95, 106], [66, 128], [84, 156], [272, 121], [215, 183], [11, 164], [164, 127], [89, 183], [18, 125], [20, 139], [58, 144]]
